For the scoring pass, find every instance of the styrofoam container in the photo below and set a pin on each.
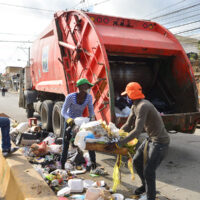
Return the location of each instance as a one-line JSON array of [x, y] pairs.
[[76, 185], [118, 196], [64, 191]]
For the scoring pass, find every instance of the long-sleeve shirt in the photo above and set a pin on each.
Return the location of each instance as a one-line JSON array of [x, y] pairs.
[[71, 109], [146, 118]]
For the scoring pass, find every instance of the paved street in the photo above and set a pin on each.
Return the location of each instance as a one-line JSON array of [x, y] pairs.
[[178, 177]]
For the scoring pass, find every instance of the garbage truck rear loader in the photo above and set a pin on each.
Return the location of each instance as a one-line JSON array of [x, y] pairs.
[[110, 52]]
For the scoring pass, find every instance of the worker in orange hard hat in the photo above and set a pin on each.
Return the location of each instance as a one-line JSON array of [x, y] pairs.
[[153, 150]]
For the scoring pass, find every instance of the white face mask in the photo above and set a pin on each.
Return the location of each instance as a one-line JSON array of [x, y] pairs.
[[88, 90]]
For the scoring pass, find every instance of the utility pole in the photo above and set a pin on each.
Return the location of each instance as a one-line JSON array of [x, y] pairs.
[[28, 59]]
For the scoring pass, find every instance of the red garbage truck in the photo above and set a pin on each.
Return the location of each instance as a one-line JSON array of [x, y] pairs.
[[110, 52]]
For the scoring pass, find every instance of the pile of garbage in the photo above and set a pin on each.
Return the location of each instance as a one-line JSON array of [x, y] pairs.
[[43, 150]]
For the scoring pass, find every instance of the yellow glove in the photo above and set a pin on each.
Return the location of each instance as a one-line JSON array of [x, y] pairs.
[[70, 121]]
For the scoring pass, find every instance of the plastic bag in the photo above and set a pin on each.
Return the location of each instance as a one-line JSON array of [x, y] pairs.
[[80, 139], [49, 140], [55, 148], [95, 127], [39, 149], [21, 127], [81, 120]]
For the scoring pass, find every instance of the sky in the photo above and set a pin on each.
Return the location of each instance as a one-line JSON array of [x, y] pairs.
[[24, 20]]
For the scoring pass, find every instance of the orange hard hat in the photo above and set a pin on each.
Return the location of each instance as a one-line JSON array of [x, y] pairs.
[[134, 91]]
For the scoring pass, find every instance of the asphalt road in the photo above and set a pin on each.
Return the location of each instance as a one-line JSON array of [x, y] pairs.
[[178, 177]]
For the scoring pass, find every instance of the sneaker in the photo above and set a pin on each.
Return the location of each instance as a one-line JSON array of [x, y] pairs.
[[139, 190], [143, 197], [9, 152]]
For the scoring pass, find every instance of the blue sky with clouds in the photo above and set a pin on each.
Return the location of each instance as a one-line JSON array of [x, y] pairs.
[[23, 24]]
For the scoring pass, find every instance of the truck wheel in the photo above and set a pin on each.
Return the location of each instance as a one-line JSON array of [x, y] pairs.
[[57, 119], [46, 115]]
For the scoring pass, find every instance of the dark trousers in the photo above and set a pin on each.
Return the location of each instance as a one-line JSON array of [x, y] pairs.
[[5, 131], [147, 172], [65, 146]]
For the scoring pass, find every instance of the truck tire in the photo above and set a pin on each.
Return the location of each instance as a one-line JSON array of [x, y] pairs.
[[46, 115], [57, 119]]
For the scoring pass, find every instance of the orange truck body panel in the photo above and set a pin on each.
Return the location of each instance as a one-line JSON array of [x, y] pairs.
[[84, 45]]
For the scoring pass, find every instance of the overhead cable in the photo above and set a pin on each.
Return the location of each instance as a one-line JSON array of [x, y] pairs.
[[178, 20], [191, 11], [189, 30], [13, 41], [175, 11], [39, 9], [169, 6], [184, 24]]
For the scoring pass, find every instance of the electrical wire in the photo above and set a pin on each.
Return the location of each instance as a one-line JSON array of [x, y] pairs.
[[175, 11], [13, 41], [189, 30], [26, 7], [17, 34], [178, 20], [96, 4], [165, 8], [73, 7], [191, 11], [184, 24]]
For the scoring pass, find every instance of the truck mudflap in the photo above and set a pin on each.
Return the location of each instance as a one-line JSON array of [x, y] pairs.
[[180, 122]]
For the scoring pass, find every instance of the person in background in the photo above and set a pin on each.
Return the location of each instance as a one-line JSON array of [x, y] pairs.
[[5, 131], [3, 91], [152, 151], [73, 107]]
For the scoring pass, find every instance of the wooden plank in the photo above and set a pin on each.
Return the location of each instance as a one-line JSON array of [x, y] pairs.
[[101, 148]]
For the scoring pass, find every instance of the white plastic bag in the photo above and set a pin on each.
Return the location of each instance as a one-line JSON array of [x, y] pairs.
[[80, 139], [21, 128], [55, 148], [81, 120], [49, 140]]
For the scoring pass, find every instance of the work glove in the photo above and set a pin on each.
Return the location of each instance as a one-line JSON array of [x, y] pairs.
[[70, 122]]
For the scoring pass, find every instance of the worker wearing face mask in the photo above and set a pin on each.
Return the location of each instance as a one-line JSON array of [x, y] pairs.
[[73, 107]]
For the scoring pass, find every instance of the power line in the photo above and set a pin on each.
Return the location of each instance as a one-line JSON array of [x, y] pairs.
[[169, 6], [13, 5], [15, 41], [184, 24], [175, 11], [189, 30], [191, 11], [178, 20], [80, 2], [16, 34], [96, 4]]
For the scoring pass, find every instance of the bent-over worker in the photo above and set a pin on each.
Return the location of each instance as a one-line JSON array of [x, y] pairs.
[[152, 151]]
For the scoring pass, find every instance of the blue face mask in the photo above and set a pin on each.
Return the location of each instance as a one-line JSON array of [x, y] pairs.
[[129, 101]]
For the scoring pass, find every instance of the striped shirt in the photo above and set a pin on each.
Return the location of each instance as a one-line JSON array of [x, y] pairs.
[[71, 109]]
